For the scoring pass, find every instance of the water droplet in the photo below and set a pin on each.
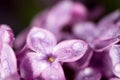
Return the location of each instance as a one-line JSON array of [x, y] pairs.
[[77, 47], [117, 68]]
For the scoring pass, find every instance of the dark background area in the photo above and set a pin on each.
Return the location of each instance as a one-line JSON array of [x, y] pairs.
[[19, 13]]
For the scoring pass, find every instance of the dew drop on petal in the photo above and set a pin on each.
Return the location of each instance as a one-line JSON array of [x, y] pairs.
[[77, 47], [117, 68]]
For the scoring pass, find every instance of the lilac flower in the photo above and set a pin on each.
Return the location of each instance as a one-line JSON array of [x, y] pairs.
[[88, 74], [45, 57], [100, 36], [89, 32], [8, 65]]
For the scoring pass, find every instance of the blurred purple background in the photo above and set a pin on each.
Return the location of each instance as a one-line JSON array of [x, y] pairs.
[[19, 13]]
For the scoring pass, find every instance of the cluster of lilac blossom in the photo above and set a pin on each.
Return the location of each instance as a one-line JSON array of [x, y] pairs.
[[61, 44]]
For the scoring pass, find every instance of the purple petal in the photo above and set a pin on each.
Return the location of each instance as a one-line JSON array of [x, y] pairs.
[[109, 26], [115, 57], [41, 40], [57, 12], [111, 19], [6, 34], [8, 64], [78, 12], [70, 50], [86, 31], [53, 72], [88, 74], [82, 62], [32, 65], [110, 32], [65, 11], [100, 45]]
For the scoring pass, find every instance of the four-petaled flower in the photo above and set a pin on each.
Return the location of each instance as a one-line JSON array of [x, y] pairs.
[[44, 58]]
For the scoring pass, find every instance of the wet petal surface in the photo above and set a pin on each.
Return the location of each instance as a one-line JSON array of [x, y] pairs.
[[101, 45], [115, 57], [32, 65], [41, 40], [8, 63], [70, 50], [53, 72]]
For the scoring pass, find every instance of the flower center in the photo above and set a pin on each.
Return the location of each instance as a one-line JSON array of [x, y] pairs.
[[51, 59]]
